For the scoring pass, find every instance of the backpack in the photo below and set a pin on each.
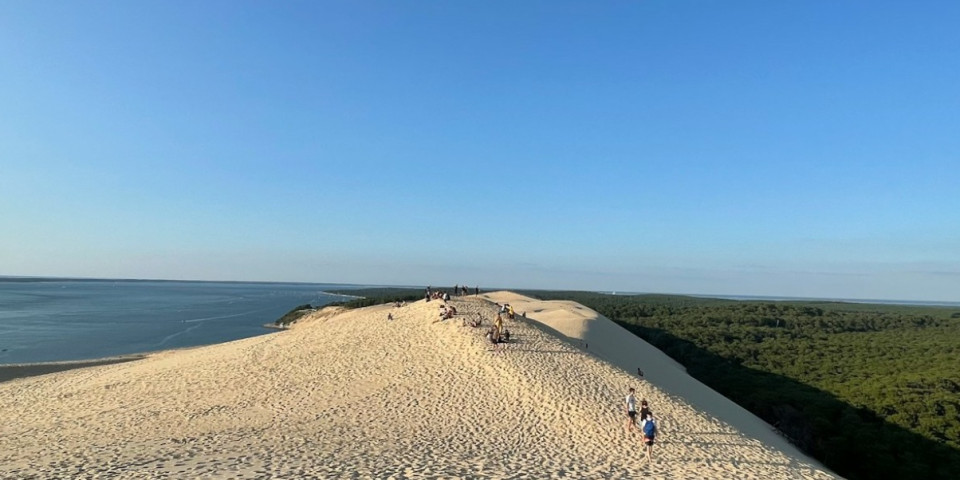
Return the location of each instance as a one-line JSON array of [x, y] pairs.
[[649, 429]]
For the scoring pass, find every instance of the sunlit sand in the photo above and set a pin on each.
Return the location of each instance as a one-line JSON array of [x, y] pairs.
[[351, 394]]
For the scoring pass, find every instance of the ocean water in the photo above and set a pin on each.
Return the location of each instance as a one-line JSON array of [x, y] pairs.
[[57, 320]]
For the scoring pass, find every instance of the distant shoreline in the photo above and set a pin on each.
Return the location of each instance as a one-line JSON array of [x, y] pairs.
[[772, 298], [10, 371], [332, 294], [24, 361], [14, 278], [23, 370], [13, 371]]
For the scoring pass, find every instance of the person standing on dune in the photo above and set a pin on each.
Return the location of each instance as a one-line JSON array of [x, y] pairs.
[[649, 429], [631, 404], [644, 409]]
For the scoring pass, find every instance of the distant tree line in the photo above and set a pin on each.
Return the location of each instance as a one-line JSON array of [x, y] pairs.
[[294, 315], [362, 298], [377, 296], [872, 391]]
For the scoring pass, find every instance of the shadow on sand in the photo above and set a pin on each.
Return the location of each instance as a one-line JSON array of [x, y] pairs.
[[853, 442]]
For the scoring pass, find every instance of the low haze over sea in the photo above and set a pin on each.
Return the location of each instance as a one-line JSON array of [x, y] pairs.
[[44, 320]]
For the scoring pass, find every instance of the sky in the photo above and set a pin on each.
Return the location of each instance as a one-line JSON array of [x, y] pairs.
[[795, 148]]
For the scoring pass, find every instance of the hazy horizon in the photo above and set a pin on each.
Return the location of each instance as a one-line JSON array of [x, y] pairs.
[[755, 148], [493, 287]]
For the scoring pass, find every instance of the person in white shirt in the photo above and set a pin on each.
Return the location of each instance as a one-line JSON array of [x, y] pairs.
[[631, 406]]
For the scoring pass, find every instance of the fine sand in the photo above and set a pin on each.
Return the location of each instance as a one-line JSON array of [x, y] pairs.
[[350, 394]]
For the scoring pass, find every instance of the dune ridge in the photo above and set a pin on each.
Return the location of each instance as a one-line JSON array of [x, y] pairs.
[[349, 394], [623, 349]]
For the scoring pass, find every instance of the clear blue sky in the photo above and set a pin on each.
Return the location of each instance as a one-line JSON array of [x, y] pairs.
[[795, 148]]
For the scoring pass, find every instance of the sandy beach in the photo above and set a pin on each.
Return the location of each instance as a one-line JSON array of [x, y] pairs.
[[351, 394]]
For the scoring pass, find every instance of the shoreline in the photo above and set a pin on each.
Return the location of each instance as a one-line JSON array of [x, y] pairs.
[[14, 371], [344, 295]]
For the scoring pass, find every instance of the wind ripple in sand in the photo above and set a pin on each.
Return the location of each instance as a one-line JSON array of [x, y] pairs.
[[351, 395]]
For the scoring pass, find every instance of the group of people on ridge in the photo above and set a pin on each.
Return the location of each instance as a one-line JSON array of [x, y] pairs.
[[447, 312], [647, 425], [637, 420], [458, 291]]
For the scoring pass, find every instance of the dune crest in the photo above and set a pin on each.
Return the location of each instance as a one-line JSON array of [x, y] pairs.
[[611, 342], [352, 394]]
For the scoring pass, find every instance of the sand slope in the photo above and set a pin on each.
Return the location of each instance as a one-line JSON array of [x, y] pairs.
[[611, 342], [349, 394]]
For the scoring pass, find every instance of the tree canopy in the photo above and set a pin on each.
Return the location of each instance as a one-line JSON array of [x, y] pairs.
[[872, 391]]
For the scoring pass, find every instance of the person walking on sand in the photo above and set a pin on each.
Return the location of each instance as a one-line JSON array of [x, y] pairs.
[[649, 434], [631, 404], [644, 409]]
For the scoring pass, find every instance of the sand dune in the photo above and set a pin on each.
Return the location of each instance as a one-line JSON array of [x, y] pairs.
[[613, 343], [350, 394]]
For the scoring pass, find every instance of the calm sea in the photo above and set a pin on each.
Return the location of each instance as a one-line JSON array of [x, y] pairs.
[[55, 320]]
